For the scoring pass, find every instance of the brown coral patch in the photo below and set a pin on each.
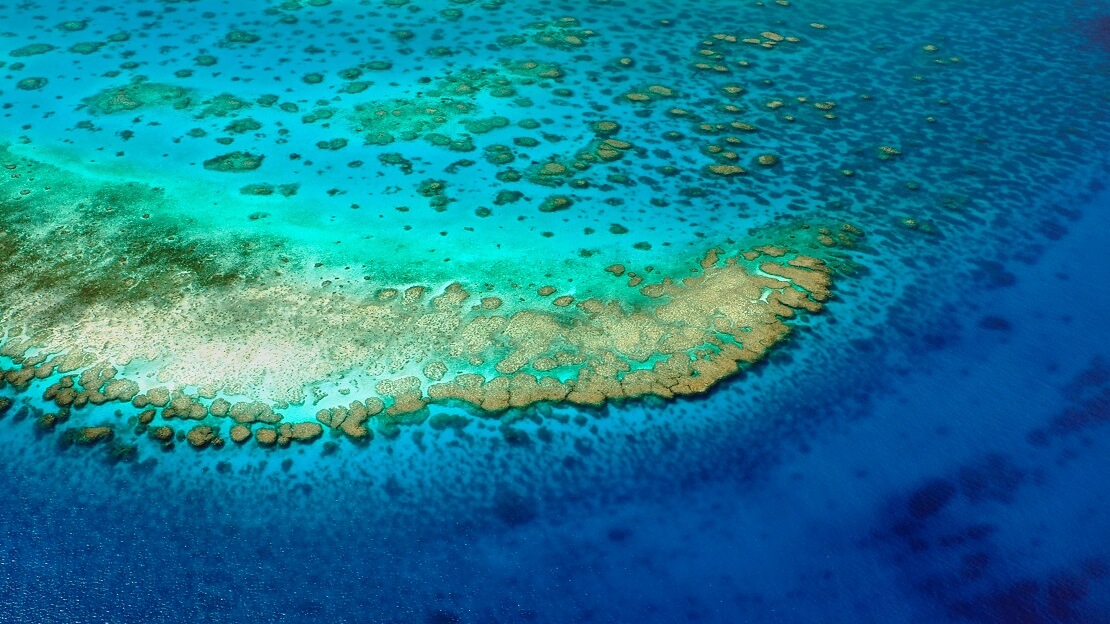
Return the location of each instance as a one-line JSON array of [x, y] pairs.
[[201, 436]]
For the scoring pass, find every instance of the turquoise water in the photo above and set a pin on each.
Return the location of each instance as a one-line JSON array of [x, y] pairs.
[[925, 445]]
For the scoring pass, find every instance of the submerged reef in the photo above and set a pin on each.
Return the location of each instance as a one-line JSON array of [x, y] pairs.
[[138, 94], [235, 162], [191, 312], [32, 49]]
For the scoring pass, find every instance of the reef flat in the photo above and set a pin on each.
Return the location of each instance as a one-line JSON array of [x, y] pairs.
[[211, 315]]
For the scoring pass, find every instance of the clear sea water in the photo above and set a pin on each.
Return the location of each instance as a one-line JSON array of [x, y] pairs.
[[932, 447]]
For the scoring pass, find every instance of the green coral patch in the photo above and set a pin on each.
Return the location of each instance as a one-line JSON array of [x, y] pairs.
[[234, 162]]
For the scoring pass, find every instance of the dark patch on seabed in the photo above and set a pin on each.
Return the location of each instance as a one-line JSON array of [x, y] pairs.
[[962, 542], [1098, 32]]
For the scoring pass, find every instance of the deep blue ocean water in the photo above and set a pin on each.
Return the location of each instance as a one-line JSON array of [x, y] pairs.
[[934, 447]]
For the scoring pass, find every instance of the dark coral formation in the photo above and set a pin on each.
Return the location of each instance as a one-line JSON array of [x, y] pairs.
[[234, 162]]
